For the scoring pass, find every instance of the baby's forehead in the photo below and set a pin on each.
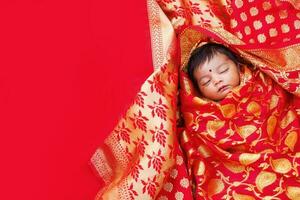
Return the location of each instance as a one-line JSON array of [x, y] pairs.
[[217, 58]]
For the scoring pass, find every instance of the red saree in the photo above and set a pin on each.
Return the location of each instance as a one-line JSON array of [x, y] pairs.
[[247, 146]]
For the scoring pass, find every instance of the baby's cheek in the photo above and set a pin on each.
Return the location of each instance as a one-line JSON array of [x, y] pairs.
[[212, 91]]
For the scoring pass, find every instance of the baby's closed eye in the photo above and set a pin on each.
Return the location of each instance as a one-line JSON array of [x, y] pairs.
[[224, 70], [205, 82]]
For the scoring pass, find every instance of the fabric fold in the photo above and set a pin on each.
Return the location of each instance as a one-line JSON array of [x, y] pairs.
[[173, 144]]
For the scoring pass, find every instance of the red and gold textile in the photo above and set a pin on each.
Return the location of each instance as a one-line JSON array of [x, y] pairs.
[[141, 158], [244, 147]]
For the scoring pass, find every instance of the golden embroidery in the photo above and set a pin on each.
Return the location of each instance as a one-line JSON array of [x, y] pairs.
[[199, 101], [174, 173], [245, 131], [291, 140], [248, 158], [253, 11], [168, 187], [228, 110], [188, 39], [239, 35], [213, 126], [234, 167], [184, 182], [185, 137], [273, 32], [270, 19], [288, 118], [156, 33], [283, 14], [267, 5], [117, 150], [123, 191], [264, 179], [179, 196], [293, 192], [281, 165], [297, 24], [274, 101], [233, 23], [247, 30], [285, 28], [179, 160], [265, 80], [257, 24], [101, 165], [239, 3], [187, 86], [271, 125], [254, 108], [229, 37], [190, 152], [243, 16], [204, 151], [237, 196], [215, 186], [199, 168]]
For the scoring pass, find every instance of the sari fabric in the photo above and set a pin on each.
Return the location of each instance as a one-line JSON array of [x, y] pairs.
[[143, 159], [246, 146]]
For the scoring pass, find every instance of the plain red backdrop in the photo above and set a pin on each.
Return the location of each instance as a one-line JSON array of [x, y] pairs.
[[68, 70]]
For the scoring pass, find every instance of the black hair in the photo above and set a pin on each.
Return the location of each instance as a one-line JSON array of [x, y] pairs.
[[205, 53]]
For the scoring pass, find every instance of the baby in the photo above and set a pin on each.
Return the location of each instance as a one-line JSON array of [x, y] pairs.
[[214, 70]]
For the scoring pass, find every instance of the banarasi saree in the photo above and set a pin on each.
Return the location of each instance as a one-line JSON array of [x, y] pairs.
[[173, 144]]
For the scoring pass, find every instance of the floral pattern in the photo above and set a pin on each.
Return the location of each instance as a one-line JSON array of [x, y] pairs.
[[142, 157], [249, 141]]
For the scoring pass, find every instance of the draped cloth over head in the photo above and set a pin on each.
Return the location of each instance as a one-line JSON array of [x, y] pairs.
[[143, 159]]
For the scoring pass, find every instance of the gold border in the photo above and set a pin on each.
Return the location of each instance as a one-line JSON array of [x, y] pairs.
[[100, 163], [155, 34]]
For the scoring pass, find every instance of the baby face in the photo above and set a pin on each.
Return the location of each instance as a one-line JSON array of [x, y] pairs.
[[216, 77]]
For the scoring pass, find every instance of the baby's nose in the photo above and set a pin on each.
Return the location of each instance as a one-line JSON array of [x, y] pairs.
[[217, 80]]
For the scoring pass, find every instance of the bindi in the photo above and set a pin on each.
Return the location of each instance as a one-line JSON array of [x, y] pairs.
[[209, 70]]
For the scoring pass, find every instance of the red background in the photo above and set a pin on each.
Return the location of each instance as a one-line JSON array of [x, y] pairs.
[[68, 70]]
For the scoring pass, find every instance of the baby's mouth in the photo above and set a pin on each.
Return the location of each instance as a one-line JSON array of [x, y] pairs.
[[223, 88]]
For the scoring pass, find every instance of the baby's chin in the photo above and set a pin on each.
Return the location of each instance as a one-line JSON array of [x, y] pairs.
[[223, 95]]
